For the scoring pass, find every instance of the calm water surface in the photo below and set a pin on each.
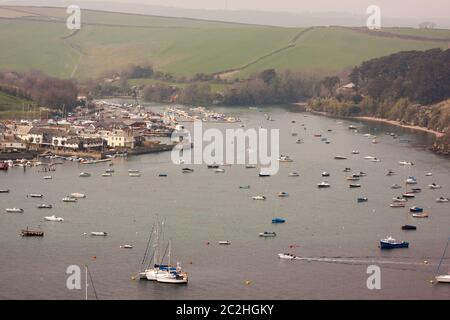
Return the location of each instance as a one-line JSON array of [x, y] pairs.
[[206, 206]]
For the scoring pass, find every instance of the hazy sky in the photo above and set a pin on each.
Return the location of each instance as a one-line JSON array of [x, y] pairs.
[[392, 8]]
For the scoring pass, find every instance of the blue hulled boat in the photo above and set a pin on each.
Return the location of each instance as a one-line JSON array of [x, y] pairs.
[[391, 243], [416, 209], [278, 220]]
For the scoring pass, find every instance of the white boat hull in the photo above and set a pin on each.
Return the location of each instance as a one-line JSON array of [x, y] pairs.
[[443, 278]]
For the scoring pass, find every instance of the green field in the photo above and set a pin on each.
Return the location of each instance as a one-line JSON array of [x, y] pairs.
[[10, 106], [112, 41]]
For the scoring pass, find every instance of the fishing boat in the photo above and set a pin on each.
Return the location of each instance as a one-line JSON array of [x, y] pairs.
[[48, 177], [399, 199], [325, 174], [69, 199], [408, 227], [45, 206], [354, 185], [106, 174], [31, 233], [362, 199], [244, 187], [397, 205], [391, 243], [294, 174], [36, 195], [77, 195], [259, 198], [415, 209], [267, 234], [53, 218], [187, 170], [283, 194], [250, 166], [219, 170], [99, 233], [14, 210], [284, 158], [162, 174], [442, 199], [420, 215], [134, 175], [446, 277], [395, 186], [323, 184], [225, 242], [434, 186], [340, 157], [287, 256], [4, 190], [278, 220]]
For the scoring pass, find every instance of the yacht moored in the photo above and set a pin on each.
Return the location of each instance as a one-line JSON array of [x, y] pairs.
[[267, 234], [44, 206], [69, 199], [53, 218], [99, 233], [77, 195], [434, 186], [323, 184], [85, 174], [442, 199], [259, 198], [14, 210]]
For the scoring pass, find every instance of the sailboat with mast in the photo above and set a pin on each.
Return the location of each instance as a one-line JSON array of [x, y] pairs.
[[171, 274], [446, 277]]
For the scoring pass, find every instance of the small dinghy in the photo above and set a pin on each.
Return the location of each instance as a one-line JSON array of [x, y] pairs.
[[416, 190], [244, 187], [77, 195], [411, 180], [213, 166], [264, 174], [390, 173], [99, 233], [397, 205], [355, 152], [415, 209], [399, 199], [162, 174], [267, 234], [340, 158], [219, 170], [391, 243], [36, 195], [409, 195], [69, 199], [429, 174], [4, 190], [278, 220], [225, 242], [325, 174], [284, 158], [48, 177], [44, 206], [133, 171], [362, 199], [354, 185], [434, 186], [106, 174], [287, 256], [283, 194], [347, 169], [109, 170], [14, 210], [405, 163], [259, 198], [293, 174], [85, 174], [134, 175], [126, 246], [420, 215], [353, 178], [375, 160], [409, 227], [250, 166], [323, 184], [395, 186], [187, 170], [53, 218], [442, 200]]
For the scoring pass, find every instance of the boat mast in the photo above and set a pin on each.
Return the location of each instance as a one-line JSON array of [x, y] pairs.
[[443, 255], [86, 282]]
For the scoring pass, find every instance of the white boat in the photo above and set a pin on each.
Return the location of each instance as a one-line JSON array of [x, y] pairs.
[[284, 158], [369, 157], [264, 174], [134, 174], [355, 152], [225, 242], [133, 171], [287, 256], [250, 166], [85, 174], [219, 170], [36, 195], [176, 276], [107, 174], [283, 194], [405, 163], [434, 186], [411, 180], [429, 174], [126, 246], [53, 218], [109, 170], [442, 199], [399, 199], [443, 278], [267, 234], [69, 199], [397, 205], [420, 215], [99, 233], [259, 198], [77, 195], [325, 174], [293, 174], [14, 210], [340, 157], [395, 186], [48, 177], [323, 184], [44, 206]]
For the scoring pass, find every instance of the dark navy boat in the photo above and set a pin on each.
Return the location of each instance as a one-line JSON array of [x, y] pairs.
[[409, 227], [416, 209], [391, 243]]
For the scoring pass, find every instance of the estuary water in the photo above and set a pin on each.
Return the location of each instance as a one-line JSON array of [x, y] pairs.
[[339, 235]]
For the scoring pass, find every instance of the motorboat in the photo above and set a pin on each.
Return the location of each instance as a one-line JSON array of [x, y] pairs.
[[354, 185], [369, 157], [434, 186], [283, 194], [77, 195], [213, 166], [352, 127], [126, 246], [53, 218], [395, 186], [340, 157], [69, 199], [134, 175], [99, 233], [360, 174], [391, 243], [443, 278], [325, 174], [45, 206], [429, 174], [4, 190], [109, 170], [347, 169], [442, 199], [278, 220], [287, 256], [408, 227], [323, 184], [14, 210], [219, 170], [133, 171], [225, 242], [415, 209], [244, 187], [353, 178], [48, 177], [36, 195], [187, 170], [264, 174], [267, 234], [162, 174], [397, 205], [420, 215], [405, 163], [362, 199], [409, 195], [390, 173], [259, 198], [399, 199], [355, 152], [85, 174], [411, 180], [106, 174], [284, 158], [416, 190], [250, 166], [294, 174]]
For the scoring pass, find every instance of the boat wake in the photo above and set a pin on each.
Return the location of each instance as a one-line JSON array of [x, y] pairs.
[[364, 261]]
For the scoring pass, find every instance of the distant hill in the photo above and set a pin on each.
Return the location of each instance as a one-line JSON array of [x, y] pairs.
[[36, 37]]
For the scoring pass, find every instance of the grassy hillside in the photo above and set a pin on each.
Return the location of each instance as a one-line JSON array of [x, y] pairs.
[[11, 106], [37, 38]]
